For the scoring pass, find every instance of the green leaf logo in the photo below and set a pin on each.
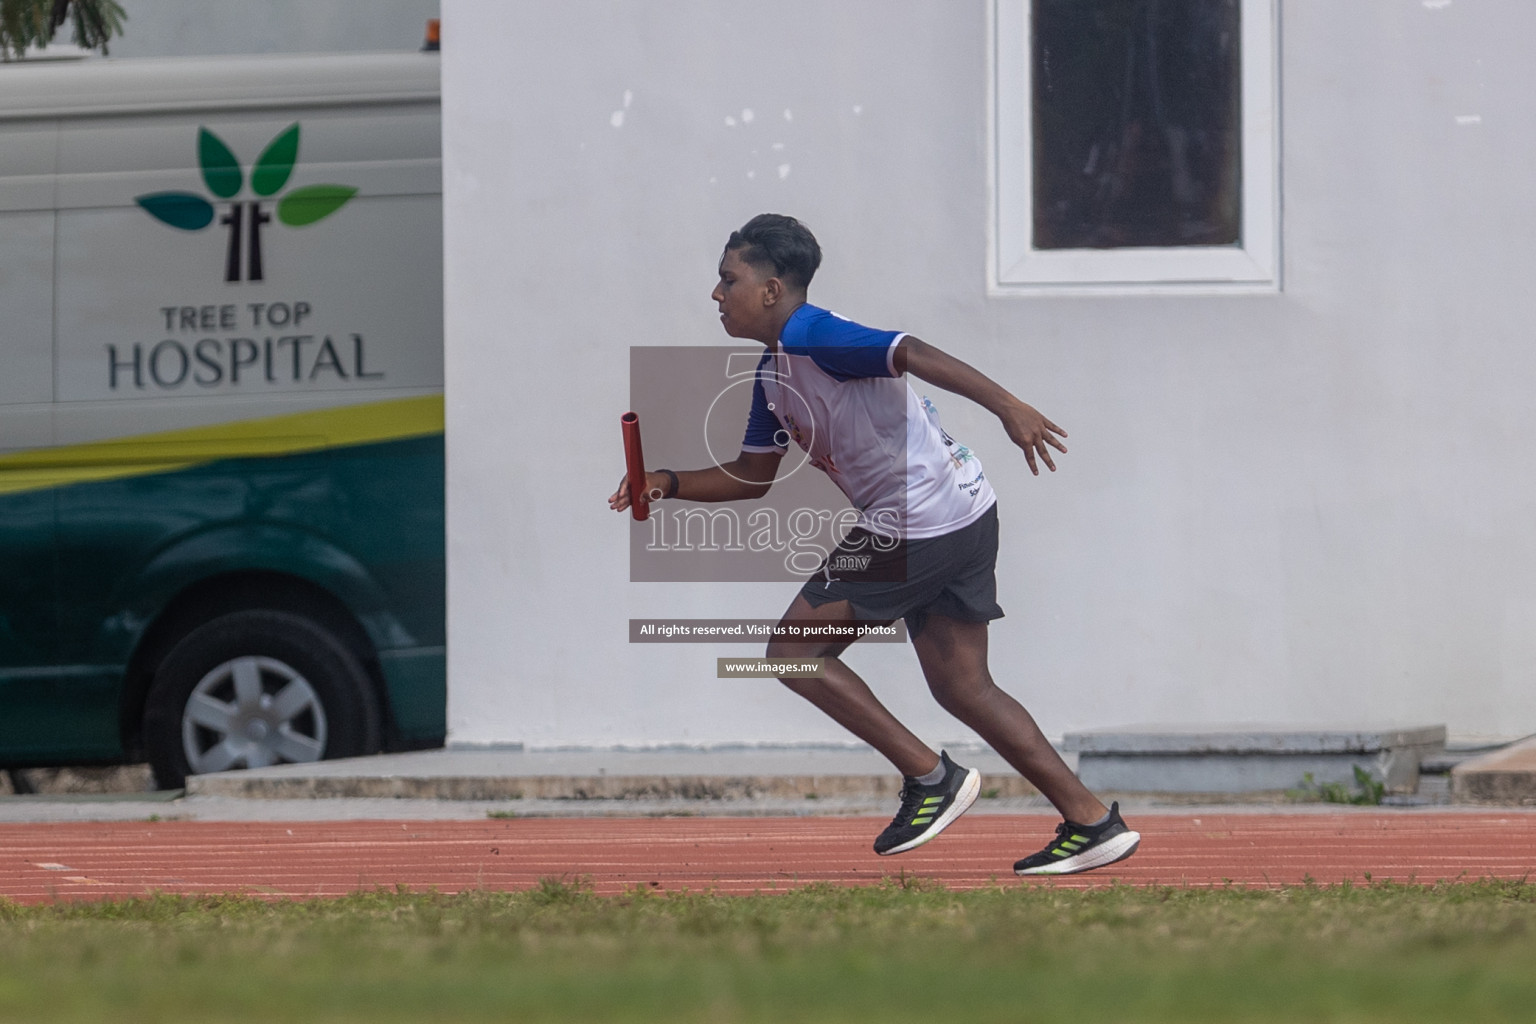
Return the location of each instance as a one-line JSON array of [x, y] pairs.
[[276, 162], [315, 202], [221, 171], [178, 209]]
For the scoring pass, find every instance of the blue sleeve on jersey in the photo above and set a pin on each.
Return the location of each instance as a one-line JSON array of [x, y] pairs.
[[763, 430], [842, 348]]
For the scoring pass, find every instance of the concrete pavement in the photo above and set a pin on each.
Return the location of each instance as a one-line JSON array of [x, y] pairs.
[[477, 783]]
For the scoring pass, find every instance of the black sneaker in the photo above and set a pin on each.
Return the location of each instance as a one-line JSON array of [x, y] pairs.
[[928, 810], [1082, 847]]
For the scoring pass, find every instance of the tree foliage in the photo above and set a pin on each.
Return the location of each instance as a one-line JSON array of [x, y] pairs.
[[32, 24]]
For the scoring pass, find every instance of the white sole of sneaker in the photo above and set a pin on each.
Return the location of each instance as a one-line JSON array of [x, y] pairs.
[[1107, 852], [963, 800]]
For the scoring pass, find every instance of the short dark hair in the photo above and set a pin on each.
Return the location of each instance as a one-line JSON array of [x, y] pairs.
[[783, 243]]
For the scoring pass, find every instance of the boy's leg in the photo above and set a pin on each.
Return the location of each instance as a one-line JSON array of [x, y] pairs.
[[927, 808], [954, 659], [844, 696]]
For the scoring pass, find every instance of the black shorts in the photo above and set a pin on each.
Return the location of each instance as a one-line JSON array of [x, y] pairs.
[[953, 575]]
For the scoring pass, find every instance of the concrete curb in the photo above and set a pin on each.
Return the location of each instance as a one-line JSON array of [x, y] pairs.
[[562, 787], [754, 774], [1173, 758], [1504, 777]]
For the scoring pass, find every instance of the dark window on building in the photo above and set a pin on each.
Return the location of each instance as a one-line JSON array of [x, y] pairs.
[[1137, 133]]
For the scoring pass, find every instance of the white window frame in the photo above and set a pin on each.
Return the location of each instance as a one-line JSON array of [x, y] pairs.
[[1015, 267]]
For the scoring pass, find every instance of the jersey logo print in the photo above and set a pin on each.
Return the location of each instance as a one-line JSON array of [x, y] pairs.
[[796, 433]]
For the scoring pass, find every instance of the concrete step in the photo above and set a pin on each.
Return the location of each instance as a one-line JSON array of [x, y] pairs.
[[731, 774], [1506, 777], [1172, 758]]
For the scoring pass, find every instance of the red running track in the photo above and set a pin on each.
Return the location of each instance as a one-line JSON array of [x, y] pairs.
[[76, 861]]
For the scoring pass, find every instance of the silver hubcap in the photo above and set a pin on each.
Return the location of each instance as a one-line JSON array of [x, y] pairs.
[[249, 713]]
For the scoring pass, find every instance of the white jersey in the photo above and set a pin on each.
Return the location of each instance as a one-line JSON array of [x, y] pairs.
[[830, 386]]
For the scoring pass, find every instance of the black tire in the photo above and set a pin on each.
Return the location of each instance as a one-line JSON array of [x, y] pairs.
[[270, 687]]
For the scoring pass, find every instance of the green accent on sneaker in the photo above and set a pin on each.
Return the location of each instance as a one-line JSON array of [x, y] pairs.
[[927, 809], [1098, 845]]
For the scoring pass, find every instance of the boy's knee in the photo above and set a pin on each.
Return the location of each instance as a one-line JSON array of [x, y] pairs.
[[958, 694], [948, 700], [782, 649]]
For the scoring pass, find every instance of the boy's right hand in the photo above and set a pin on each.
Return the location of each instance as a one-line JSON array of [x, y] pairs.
[[619, 499]]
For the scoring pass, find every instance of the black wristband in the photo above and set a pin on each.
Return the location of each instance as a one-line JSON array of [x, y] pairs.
[[671, 492]]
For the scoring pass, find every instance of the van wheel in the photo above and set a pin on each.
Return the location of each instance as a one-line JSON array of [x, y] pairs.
[[257, 688]]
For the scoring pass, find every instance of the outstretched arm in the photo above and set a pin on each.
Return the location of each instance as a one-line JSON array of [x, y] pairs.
[[749, 475], [1025, 425]]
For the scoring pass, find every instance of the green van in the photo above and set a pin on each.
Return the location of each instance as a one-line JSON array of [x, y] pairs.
[[221, 418]]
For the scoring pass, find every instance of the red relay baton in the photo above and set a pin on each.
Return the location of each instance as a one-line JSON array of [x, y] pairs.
[[634, 463]]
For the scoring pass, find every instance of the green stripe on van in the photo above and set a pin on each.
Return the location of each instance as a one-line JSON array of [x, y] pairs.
[[393, 420]]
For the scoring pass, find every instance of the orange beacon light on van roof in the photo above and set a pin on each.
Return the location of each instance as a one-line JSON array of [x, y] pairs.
[[434, 40]]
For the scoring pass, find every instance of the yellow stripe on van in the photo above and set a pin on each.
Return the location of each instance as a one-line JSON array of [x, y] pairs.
[[370, 423]]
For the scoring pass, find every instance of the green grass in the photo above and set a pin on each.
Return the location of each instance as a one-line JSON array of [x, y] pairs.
[[1014, 953], [1369, 790]]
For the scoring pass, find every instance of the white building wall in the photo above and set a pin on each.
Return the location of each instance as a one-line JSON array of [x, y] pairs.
[[1310, 506], [177, 28]]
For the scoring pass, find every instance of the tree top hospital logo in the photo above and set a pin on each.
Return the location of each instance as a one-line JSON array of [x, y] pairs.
[[225, 178]]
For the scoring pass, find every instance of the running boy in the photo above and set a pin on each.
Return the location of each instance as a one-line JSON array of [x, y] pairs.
[[926, 509]]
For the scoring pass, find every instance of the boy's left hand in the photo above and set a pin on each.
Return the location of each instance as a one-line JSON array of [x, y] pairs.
[[1034, 433]]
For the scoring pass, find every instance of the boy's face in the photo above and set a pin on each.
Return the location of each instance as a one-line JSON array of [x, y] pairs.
[[746, 298]]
